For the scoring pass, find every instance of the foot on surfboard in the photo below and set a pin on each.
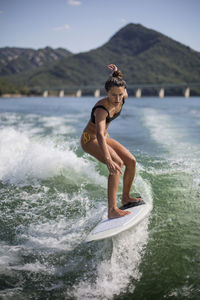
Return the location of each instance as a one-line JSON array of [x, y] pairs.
[[117, 213], [132, 204]]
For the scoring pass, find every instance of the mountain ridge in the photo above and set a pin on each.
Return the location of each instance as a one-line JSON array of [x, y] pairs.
[[144, 56], [16, 60]]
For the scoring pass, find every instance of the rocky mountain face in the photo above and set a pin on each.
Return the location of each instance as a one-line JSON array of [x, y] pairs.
[[17, 60]]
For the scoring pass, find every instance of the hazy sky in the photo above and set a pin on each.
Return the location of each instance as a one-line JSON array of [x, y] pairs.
[[81, 25]]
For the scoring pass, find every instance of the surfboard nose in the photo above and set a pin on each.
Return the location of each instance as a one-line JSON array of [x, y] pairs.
[[110, 227]]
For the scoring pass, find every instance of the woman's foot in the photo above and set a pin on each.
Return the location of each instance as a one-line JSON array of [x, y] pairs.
[[129, 199], [117, 213]]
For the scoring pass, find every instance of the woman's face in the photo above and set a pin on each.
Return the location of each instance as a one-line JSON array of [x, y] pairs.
[[116, 94]]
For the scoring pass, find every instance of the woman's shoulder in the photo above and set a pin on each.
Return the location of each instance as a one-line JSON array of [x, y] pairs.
[[102, 102]]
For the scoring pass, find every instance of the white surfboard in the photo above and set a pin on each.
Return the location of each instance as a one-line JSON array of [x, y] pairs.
[[111, 227]]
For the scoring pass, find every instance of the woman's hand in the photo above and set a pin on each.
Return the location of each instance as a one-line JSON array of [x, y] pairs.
[[112, 67], [113, 167]]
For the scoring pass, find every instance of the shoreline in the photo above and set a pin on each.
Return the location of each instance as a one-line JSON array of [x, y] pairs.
[[8, 96]]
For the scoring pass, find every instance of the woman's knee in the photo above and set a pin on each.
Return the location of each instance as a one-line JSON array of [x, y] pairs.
[[131, 162]]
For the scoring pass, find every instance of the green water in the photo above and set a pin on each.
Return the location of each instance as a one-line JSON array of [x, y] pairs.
[[52, 195]]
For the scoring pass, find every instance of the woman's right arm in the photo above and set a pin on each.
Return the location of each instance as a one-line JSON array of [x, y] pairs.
[[112, 67]]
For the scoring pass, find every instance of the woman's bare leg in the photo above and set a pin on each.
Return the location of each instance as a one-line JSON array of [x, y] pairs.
[[130, 170], [129, 176], [113, 210], [93, 149]]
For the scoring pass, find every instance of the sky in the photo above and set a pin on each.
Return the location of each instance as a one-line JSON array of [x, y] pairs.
[[82, 25]]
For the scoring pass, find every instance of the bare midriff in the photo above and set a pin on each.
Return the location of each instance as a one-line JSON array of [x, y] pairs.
[[89, 133], [91, 129]]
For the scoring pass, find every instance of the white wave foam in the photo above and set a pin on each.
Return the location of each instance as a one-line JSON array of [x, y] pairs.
[[32, 267], [196, 115], [12, 293], [25, 160], [59, 125], [167, 133], [27, 123], [10, 259], [161, 128], [9, 255], [61, 235], [115, 274], [182, 156], [65, 231]]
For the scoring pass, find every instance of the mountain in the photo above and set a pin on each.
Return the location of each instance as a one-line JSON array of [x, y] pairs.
[[143, 55], [17, 60]]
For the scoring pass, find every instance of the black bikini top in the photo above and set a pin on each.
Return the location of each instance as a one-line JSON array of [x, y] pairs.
[[108, 118]]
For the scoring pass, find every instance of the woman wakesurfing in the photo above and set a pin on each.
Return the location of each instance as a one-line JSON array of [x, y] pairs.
[[95, 140]]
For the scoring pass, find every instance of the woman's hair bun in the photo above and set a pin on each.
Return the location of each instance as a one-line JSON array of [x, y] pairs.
[[115, 80], [117, 74]]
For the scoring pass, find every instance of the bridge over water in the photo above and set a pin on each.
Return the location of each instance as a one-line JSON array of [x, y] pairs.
[[133, 89]]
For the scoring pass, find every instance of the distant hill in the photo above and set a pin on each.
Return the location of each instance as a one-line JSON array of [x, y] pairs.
[[143, 55], [17, 60]]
